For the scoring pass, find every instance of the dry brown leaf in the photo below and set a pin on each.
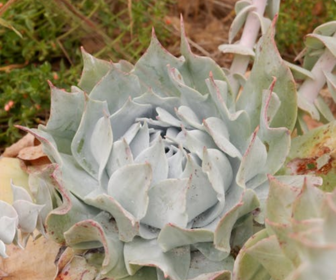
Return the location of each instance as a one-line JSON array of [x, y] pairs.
[[13, 151], [31, 153], [35, 262]]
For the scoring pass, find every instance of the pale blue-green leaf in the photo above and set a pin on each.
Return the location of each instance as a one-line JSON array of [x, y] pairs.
[[145, 273], [305, 105], [268, 252], [121, 155], [196, 69], [3, 250], [272, 8], [104, 232], [155, 156], [241, 5], [167, 103], [239, 21], [218, 169], [101, 143], [9, 222], [200, 103], [70, 212], [189, 118], [247, 267], [167, 118], [148, 232], [174, 264], [240, 78], [247, 203], [127, 224], [94, 70], [28, 213], [236, 122], [299, 72], [209, 250], [236, 49], [124, 65], [265, 22], [20, 193], [219, 132], [75, 178], [327, 29], [172, 236], [329, 215], [116, 88], [167, 203], [81, 145], [129, 186], [253, 161], [276, 140], [279, 201], [331, 81], [268, 64], [309, 203], [324, 109], [124, 118], [151, 68], [141, 140], [203, 269], [176, 164], [131, 132], [196, 140], [65, 114], [315, 41], [242, 231], [201, 195]]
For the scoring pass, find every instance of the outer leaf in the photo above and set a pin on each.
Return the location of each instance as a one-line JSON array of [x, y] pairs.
[[268, 64]]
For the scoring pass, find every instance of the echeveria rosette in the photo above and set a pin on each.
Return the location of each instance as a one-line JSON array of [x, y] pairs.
[[158, 166], [19, 219], [299, 241]]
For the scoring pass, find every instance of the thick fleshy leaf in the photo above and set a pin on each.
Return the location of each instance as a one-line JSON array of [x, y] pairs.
[[268, 64], [167, 203], [121, 155], [105, 234], [268, 253], [132, 191], [174, 264], [247, 267], [94, 70], [196, 69], [116, 88], [9, 221], [248, 202], [125, 117], [155, 156], [93, 140], [203, 269], [152, 68], [201, 195]]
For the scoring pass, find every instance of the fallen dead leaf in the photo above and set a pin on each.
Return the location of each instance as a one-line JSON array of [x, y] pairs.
[[14, 150], [35, 262]]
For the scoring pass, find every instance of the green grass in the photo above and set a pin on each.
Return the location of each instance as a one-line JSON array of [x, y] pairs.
[[52, 32]]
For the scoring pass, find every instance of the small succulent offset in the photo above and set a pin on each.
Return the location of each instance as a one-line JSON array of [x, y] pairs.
[[160, 171], [299, 241]]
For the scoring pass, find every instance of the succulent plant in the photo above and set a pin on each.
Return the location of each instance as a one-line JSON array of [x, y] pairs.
[[160, 169], [299, 240]]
